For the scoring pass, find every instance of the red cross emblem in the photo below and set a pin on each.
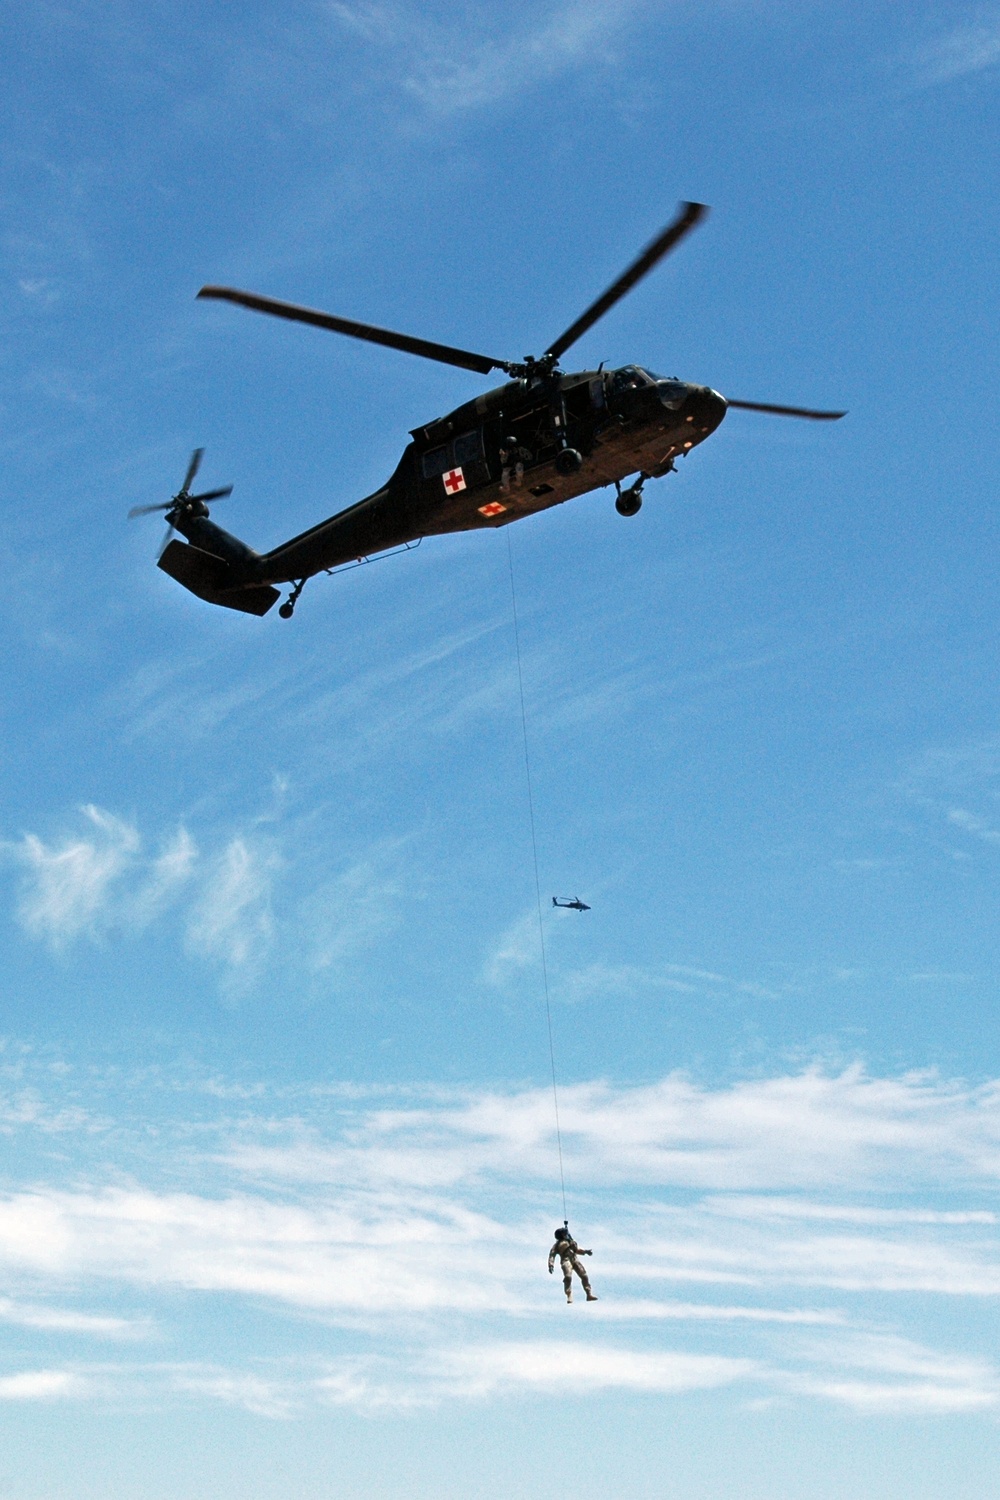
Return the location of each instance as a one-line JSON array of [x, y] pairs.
[[493, 509], [454, 481]]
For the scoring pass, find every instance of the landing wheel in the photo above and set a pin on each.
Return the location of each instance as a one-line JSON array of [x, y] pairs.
[[629, 503], [569, 461], [288, 608]]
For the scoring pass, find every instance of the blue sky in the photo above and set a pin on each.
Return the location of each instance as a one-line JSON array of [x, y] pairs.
[[279, 1168]]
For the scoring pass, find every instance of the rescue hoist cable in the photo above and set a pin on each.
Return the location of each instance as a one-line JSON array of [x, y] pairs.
[[538, 886]]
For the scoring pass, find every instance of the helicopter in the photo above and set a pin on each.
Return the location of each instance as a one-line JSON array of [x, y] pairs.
[[544, 437], [566, 905]]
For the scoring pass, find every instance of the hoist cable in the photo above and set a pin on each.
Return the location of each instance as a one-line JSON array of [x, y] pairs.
[[538, 886]]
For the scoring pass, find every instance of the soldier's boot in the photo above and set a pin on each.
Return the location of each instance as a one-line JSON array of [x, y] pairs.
[[586, 1288], [568, 1287]]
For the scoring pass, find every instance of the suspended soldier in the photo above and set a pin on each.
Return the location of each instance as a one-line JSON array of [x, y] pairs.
[[569, 1254]]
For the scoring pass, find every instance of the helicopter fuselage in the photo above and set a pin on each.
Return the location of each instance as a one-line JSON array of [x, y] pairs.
[[515, 450]]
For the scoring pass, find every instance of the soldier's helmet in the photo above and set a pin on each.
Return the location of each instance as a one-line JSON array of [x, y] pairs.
[[562, 1234]]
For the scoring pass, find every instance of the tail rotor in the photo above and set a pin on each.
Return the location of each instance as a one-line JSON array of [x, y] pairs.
[[183, 503]]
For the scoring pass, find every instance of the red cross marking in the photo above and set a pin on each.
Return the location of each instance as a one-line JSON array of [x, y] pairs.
[[454, 481], [493, 509]]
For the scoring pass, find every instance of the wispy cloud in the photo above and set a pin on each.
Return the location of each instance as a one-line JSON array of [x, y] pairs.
[[256, 1393], [348, 914], [69, 1320], [604, 981], [409, 1230], [448, 66], [958, 788], [488, 1368], [40, 1385], [227, 893], [66, 886], [90, 884], [165, 876], [232, 921], [517, 951], [791, 1132], [881, 1374], [518, 948], [970, 47], [960, 817]]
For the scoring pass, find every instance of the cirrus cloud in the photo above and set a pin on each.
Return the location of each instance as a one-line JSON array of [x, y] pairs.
[[796, 1236]]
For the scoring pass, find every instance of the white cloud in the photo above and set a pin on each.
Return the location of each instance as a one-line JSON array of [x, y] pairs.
[[880, 1374], [39, 289], [914, 1398], [448, 68], [407, 1231], [68, 1320], [603, 981], [532, 1364], [346, 916], [232, 920], [254, 1393], [106, 882], [66, 887], [625, 1310], [517, 949], [796, 1208], [517, 952], [795, 1131], [91, 885], [169, 871], [88, 884], [39, 1385], [968, 821], [872, 1373], [378, 1208], [959, 787], [970, 48]]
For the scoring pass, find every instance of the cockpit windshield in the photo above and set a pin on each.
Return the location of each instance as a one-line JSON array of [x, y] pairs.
[[673, 392], [630, 378]]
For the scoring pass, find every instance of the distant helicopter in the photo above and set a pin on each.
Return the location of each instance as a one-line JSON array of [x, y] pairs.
[[544, 437], [575, 905]]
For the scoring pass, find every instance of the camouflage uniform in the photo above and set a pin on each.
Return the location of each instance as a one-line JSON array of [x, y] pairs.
[[569, 1254]]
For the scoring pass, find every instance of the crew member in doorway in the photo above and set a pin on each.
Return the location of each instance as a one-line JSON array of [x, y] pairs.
[[513, 457], [569, 1254]]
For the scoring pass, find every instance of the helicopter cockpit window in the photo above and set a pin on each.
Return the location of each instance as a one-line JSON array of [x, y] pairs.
[[673, 393], [434, 462], [628, 378], [469, 447]]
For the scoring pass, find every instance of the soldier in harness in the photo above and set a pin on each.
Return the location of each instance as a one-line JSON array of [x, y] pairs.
[[569, 1254]]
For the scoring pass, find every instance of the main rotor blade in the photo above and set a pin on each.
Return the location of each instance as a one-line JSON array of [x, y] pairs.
[[212, 494], [443, 353], [665, 241], [147, 510], [193, 467], [165, 543], [788, 411]]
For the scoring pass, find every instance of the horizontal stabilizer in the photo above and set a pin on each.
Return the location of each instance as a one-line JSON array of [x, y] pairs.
[[211, 579]]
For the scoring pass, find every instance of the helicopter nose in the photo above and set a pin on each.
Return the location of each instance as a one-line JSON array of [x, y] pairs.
[[704, 409]]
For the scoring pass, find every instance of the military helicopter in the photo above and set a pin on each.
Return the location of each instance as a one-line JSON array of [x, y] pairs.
[[566, 905], [543, 437]]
